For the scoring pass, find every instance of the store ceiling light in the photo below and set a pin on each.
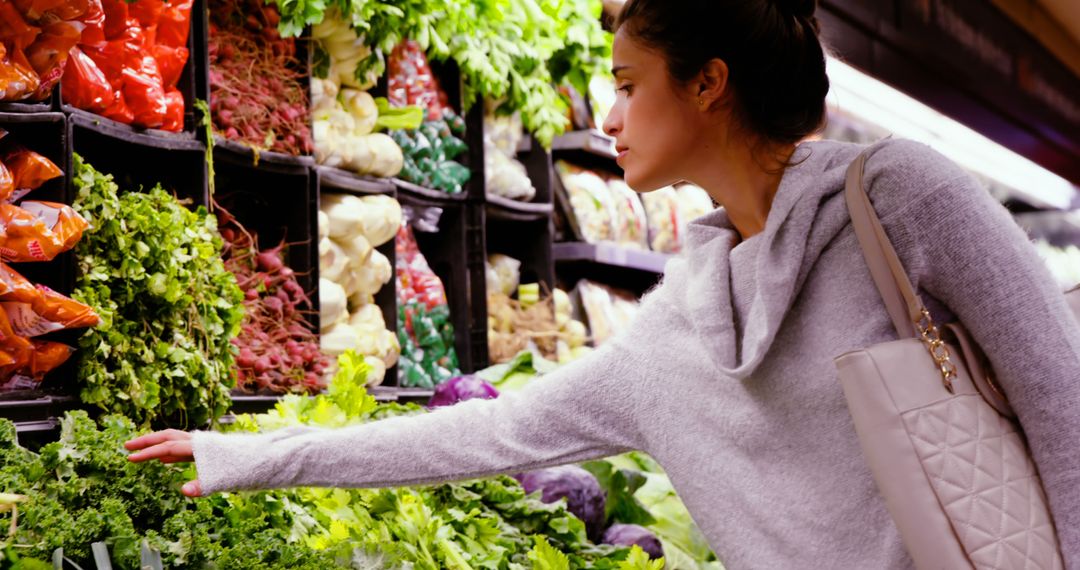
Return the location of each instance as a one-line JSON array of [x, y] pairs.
[[856, 94]]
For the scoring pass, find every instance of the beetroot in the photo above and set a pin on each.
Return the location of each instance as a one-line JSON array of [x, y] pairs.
[[278, 351]]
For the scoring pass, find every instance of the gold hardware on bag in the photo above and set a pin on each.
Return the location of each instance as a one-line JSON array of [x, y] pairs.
[[931, 337]]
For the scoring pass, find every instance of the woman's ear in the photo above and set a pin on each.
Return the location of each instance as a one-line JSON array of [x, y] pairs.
[[711, 84]]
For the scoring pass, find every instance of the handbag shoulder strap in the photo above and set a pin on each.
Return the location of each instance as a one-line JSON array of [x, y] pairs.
[[904, 306]]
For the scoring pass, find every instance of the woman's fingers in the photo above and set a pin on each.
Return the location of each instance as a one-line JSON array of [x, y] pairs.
[[171, 451], [192, 489], [156, 438]]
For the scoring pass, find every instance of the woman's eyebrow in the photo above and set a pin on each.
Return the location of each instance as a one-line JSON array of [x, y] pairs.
[[618, 69]]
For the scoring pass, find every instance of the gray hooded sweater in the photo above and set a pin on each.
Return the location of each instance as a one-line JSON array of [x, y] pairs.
[[726, 376]]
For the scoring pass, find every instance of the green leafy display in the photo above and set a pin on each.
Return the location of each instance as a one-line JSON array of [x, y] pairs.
[[516, 51], [152, 270], [82, 490]]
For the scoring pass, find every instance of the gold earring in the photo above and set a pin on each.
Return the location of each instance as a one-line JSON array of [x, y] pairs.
[[700, 102]]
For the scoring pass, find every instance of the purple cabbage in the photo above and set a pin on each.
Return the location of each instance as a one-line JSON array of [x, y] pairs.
[[631, 534], [584, 496], [460, 389]]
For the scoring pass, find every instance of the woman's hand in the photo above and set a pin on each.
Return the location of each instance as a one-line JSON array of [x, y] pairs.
[[169, 446]]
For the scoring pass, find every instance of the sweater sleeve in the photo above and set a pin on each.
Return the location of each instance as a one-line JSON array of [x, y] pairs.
[[973, 257], [585, 410]]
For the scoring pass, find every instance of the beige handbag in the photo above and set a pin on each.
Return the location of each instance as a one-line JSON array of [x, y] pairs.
[[940, 438]]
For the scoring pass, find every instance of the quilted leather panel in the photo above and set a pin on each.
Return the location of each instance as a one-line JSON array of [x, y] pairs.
[[978, 466]]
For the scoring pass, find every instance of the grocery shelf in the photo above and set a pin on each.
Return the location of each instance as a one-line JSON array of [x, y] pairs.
[[591, 140], [260, 156], [341, 180], [37, 409], [515, 210], [154, 138], [611, 254], [19, 107], [395, 394], [428, 193]]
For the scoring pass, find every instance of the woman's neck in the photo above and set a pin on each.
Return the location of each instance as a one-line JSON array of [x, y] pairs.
[[740, 180]]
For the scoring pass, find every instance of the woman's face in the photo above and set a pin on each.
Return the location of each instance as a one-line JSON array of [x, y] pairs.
[[655, 122]]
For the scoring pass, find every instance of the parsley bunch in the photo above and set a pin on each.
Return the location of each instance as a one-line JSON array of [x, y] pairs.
[[153, 271]]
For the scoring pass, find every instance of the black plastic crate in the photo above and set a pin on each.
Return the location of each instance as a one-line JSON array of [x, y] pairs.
[[47, 134], [191, 85], [456, 254], [28, 107], [277, 202], [178, 165]]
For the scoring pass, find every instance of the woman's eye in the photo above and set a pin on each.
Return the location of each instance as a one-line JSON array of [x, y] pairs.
[[624, 89]]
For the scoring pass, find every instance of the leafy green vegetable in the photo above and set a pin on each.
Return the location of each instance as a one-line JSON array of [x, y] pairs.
[[515, 51], [152, 270], [82, 490]]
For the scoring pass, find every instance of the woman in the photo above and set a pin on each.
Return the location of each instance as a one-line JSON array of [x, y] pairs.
[[726, 376]]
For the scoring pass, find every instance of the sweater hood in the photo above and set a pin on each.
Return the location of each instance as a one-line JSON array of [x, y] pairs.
[[808, 211]]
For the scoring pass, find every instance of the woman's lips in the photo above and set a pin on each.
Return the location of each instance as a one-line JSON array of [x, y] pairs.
[[620, 153]]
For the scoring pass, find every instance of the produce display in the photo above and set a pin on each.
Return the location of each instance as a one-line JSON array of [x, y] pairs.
[[170, 309], [35, 39], [515, 51], [128, 70], [426, 335], [430, 150], [607, 309], [82, 490], [345, 116], [504, 174], [33, 232], [277, 350], [258, 95], [352, 271], [591, 202], [529, 322]]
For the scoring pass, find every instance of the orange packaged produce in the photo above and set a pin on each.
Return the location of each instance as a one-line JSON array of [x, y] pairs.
[[38, 231]]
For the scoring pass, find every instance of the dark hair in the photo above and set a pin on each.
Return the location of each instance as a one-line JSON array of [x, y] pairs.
[[776, 62]]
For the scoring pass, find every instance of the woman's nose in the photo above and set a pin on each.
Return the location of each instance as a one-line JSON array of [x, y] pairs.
[[612, 124]]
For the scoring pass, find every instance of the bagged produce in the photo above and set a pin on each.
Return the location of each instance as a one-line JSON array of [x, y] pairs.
[[412, 83], [17, 79], [430, 152], [665, 220], [591, 202], [127, 63], [28, 170], [631, 222], [425, 333], [85, 85], [504, 174], [608, 310], [38, 231]]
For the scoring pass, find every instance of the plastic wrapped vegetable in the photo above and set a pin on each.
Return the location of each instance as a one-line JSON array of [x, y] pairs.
[[584, 496], [591, 203], [631, 223], [428, 357], [504, 174], [665, 220], [631, 534], [462, 388], [430, 153], [503, 273]]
